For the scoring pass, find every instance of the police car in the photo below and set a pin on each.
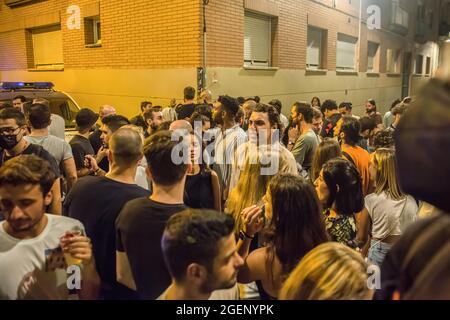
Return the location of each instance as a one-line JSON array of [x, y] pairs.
[[60, 102]]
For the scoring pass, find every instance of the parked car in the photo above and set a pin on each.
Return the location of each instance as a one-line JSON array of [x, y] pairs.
[[61, 103]]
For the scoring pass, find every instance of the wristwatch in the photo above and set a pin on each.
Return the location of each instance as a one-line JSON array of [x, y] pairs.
[[243, 235]]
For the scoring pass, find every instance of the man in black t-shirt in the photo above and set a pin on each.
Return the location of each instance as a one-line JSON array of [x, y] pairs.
[[110, 124], [139, 119], [140, 225], [94, 137], [12, 131], [185, 110], [97, 201], [81, 147]]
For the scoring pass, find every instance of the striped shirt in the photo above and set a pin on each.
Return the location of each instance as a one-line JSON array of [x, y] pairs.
[[226, 144]]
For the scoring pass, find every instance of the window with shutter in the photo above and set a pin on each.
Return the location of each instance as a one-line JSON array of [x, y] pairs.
[[314, 50], [47, 47], [372, 57], [92, 31], [393, 61], [419, 64], [428, 67], [257, 40], [346, 52]]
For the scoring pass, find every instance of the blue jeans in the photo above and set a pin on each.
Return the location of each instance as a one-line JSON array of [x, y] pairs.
[[378, 251]]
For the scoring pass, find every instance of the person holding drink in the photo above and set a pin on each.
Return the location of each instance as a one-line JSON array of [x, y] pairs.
[[38, 250]]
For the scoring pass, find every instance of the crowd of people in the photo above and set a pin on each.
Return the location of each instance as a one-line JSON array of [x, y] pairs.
[[227, 199]]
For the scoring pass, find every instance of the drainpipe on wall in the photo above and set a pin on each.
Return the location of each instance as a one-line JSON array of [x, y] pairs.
[[359, 35], [204, 4]]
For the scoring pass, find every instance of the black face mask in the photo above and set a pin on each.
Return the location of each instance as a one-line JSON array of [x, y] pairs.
[[8, 142]]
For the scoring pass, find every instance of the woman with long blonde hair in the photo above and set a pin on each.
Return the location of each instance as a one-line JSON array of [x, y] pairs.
[[387, 211], [331, 271], [251, 186]]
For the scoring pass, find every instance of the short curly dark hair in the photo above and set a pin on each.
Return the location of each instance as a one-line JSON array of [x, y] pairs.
[[274, 116], [193, 236], [26, 170], [384, 139]]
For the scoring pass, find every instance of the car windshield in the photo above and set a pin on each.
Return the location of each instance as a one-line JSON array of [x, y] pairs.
[[65, 108]]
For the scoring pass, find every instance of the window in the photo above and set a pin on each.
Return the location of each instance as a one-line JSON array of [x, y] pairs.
[[393, 61], [47, 47], [92, 31], [346, 53], [315, 54], [421, 13], [373, 57], [428, 67], [257, 40], [419, 64], [399, 15]]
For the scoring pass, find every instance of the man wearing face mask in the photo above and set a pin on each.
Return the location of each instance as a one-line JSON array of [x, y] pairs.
[[12, 130]]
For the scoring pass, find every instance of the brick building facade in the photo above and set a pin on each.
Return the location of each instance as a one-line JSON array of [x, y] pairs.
[[151, 49]]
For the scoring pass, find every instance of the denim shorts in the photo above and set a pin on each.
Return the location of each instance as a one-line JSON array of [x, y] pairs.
[[378, 251]]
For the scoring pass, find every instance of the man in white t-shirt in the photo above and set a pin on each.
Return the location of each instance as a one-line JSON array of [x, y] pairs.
[[42, 256], [199, 249]]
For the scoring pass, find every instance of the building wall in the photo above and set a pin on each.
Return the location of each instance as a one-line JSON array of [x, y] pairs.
[[150, 49], [289, 81], [290, 85], [122, 88]]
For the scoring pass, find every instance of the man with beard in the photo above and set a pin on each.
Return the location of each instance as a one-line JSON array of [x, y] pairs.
[[13, 128], [199, 248], [153, 117], [303, 141], [138, 120], [36, 247], [371, 111], [227, 141], [94, 137], [317, 121], [263, 131], [110, 124]]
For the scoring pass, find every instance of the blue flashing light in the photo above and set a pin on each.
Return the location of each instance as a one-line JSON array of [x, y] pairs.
[[26, 85]]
